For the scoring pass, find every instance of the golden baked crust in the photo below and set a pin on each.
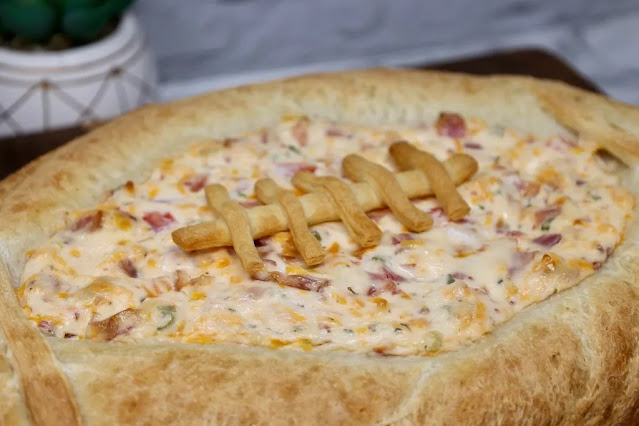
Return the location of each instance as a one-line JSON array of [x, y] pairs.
[[571, 359]]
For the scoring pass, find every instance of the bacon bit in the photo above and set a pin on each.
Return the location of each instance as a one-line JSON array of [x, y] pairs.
[[571, 143], [196, 183], [69, 335], [398, 238], [386, 275], [380, 350], [527, 188], [514, 234], [90, 222], [438, 215], [302, 282], [597, 265], [129, 186], [249, 204], [289, 169], [473, 145], [262, 242], [549, 213], [520, 260], [548, 240], [464, 220], [300, 131], [128, 267], [334, 132], [264, 136], [387, 286], [158, 220], [112, 327], [226, 143], [580, 182], [451, 124], [46, 327]]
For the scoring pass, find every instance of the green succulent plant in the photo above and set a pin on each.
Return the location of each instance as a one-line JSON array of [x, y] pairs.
[[39, 22]]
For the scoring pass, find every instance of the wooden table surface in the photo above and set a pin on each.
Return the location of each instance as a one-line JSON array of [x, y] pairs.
[[18, 151]]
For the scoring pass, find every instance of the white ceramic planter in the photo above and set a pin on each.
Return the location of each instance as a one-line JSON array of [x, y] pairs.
[[46, 90]]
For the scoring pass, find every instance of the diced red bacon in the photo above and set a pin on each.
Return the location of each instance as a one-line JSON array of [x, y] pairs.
[[334, 132], [519, 261], [473, 145], [549, 213], [596, 265], [46, 327], [289, 169], [385, 275], [451, 124], [302, 282], [464, 220], [196, 182], [261, 242], [90, 222], [527, 188], [580, 182], [300, 131], [438, 215], [228, 142], [561, 144], [158, 220], [514, 234], [128, 267], [548, 240], [388, 286], [264, 136], [398, 238]]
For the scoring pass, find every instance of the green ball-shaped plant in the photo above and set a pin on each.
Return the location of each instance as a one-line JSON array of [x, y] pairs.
[[40, 22]]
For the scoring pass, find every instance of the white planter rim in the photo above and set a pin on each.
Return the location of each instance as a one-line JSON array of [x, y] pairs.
[[63, 60]]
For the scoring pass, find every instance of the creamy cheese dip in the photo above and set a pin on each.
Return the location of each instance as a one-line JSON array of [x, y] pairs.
[[545, 214]]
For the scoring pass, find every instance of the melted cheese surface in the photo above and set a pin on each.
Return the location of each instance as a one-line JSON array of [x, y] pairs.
[[544, 215]]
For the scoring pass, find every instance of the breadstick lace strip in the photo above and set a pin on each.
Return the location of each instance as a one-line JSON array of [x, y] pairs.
[[328, 199]]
